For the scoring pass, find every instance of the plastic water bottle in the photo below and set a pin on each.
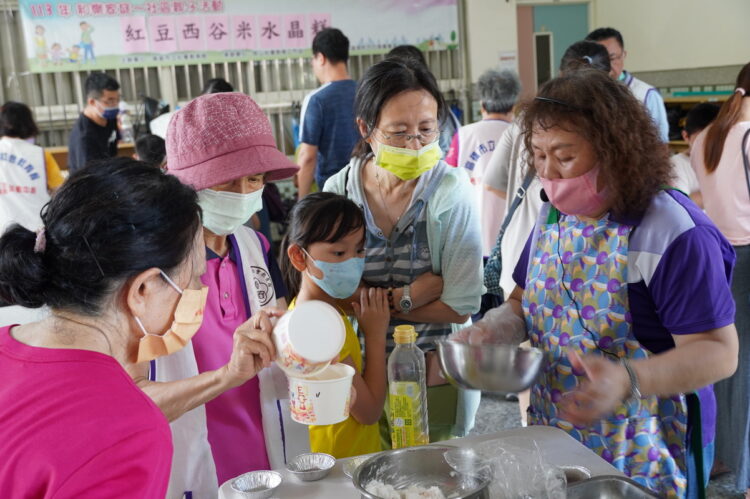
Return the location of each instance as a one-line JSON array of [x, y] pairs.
[[126, 128], [407, 391]]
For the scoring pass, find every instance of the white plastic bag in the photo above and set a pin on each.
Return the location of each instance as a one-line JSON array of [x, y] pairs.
[[515, 467]]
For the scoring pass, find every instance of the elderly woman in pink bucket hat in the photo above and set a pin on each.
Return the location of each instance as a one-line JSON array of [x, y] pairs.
[[222, 145]]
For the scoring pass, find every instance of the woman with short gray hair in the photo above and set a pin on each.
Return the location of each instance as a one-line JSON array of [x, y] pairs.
[[473, 144]]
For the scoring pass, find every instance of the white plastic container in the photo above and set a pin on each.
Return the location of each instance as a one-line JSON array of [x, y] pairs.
[[324, 398], [308, 338]]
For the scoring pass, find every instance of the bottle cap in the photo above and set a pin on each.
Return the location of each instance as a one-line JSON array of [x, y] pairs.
[[404, 334]]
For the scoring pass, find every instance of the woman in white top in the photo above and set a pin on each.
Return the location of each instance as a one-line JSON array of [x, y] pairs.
[[720, 159]]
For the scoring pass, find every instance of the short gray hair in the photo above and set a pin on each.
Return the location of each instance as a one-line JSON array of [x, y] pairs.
[[498, 90]]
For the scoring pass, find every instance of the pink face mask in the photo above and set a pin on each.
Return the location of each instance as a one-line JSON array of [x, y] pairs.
[[577, 195]]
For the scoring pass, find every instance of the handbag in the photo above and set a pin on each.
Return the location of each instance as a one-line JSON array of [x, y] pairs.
[[494, 265]]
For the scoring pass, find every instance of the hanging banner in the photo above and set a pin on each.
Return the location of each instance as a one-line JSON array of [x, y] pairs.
[[86, 35]]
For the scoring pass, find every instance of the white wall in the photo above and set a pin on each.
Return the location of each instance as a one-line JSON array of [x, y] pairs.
[[491, 30], [659, 34], [679, 34]]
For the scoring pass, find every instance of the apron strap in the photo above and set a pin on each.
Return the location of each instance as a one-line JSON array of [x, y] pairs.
[[696, 442]]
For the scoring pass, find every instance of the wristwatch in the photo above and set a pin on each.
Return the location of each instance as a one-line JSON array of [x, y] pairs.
[[405, 302]]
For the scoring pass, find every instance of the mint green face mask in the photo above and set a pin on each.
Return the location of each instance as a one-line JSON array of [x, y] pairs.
[[408, 164]]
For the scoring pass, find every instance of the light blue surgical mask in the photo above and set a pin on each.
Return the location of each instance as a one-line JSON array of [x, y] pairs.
[[224, 212], [340, 279]]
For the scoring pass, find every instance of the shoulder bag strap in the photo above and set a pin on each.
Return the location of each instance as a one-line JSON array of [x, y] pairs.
[[745, 160]]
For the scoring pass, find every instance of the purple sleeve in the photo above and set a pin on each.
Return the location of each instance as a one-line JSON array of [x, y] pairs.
[[519, 273], [690, 286]]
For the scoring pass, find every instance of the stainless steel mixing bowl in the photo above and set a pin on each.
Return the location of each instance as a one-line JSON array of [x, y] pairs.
[[489, 367], [423, 466]]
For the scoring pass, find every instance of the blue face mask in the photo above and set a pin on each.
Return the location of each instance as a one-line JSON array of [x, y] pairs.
[[341, 279], [109, 113]]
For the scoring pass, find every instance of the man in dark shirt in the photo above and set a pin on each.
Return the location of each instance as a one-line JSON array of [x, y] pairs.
[[327, 128], [94, 135]]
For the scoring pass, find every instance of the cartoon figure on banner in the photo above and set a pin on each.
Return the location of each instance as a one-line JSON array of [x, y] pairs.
[[56, 54], [40, 44], [74, 54], [87, 43]]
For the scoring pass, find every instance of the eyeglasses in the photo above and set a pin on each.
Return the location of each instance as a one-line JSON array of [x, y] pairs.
[[401, 139]]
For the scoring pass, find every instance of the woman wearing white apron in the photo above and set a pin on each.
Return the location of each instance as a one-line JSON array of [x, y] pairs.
[[28, 174], [222, 145]]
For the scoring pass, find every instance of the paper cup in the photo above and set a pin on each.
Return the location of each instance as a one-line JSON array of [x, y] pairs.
[[308, 338], [322, 399]]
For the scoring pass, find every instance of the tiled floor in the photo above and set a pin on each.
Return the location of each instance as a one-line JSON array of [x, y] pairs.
[[495, 413]]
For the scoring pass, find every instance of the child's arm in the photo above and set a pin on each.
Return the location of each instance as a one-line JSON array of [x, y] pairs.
[[373, 316]]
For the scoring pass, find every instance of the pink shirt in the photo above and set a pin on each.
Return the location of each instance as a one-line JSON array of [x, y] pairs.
[[725, 192], [472, 148], [234, 421], [75, 425]]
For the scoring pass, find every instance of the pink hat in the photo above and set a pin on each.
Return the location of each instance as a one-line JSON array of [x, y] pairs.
[[217, 138]]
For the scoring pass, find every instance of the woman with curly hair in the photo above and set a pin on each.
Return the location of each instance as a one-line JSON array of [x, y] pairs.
[[624, 286]]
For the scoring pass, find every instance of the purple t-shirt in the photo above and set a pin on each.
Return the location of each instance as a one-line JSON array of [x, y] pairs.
[[679, 274]]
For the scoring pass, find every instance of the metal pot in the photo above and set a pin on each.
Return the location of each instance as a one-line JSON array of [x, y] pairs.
[[423, 466]]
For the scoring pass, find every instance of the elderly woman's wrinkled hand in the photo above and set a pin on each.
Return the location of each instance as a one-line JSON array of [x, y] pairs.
[[253, 347], [606, 386]]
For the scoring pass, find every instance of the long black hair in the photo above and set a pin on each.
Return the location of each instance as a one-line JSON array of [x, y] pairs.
[[385, 80], [318, 217], [107, 223]]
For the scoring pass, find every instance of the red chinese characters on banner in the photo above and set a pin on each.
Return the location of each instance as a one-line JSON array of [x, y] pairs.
[[162, 34], [190, 33], [83, 9], [244, 32], [270, 30], [217, 33], [295, 32], [64, 10], [317, 23], [134, 34]]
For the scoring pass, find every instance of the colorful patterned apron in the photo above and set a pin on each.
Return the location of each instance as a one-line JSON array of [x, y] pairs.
[[570, 258]]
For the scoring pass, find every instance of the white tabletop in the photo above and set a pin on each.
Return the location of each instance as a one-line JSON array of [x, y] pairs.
[[558, 448]]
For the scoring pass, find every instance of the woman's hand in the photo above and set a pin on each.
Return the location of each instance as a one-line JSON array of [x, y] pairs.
[[499, 325], [253, 347], [606, 386], [373, 313], [425, 289]]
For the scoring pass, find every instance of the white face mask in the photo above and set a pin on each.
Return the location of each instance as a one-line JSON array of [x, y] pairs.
[[225, 212]]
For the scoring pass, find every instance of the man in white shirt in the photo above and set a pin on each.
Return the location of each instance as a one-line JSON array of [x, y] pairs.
[[648, 95]]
